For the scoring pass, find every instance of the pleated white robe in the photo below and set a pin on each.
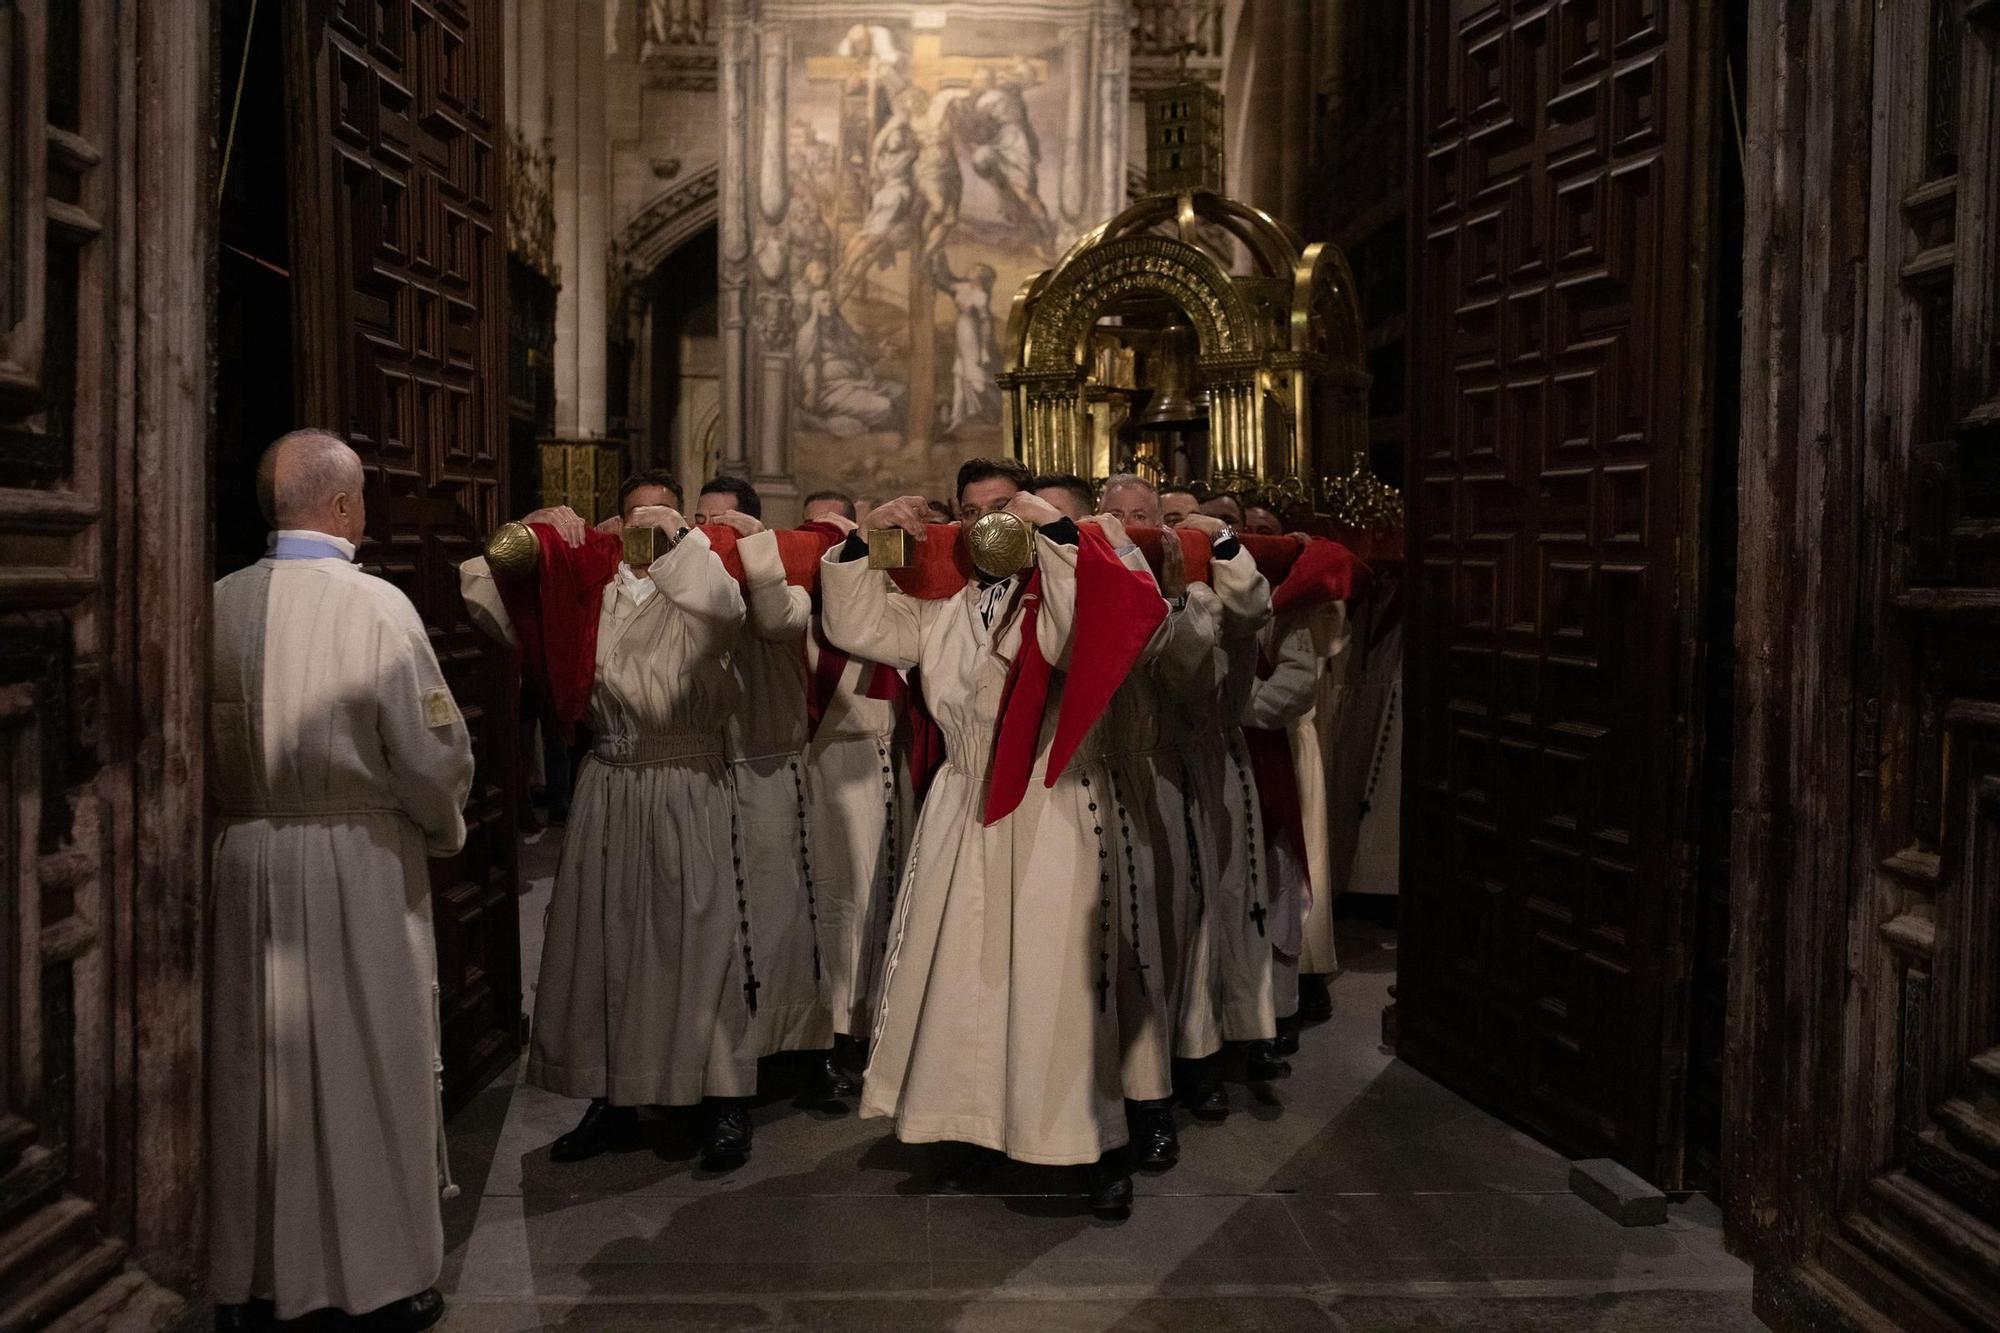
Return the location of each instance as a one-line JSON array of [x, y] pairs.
[[1143, 730], [999, 1022], [1227, 830], [339, 763], [642, 996], [1314, 738], [863, 814], [1278, 702], [766, 737]]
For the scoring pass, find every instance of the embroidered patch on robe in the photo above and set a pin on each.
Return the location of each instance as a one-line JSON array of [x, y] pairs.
[[440, 710]]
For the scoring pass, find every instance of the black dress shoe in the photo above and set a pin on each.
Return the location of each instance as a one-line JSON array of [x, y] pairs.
[[1315, 997], [1288, 1035], [407, 1315], [1262, 1063], [837, 1080], [1156, 1143], [728, 1142], [602, 1128], [251, 1317], [1110, 1188]]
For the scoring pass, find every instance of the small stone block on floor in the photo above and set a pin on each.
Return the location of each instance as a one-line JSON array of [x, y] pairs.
[[1617, 1193]]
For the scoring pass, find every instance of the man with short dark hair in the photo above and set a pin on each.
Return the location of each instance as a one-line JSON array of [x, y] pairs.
[[987, 486], [1262, 521], [652, 478], [723, 495], [998, 1026], [1067, 492], [646, 986], [1176, 503], [1227, 506], [821, 503], [340, 763]]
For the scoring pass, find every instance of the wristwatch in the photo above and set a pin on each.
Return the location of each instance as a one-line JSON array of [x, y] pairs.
[[1178, 602], [1228, 534]]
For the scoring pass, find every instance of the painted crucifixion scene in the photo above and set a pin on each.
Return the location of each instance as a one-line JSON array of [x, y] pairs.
[[924, 170]]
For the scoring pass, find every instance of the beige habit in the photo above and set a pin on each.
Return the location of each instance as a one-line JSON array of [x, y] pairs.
[[339, 764], [1279, 702], [767, 763], [643, 991], [998, 1024], [1227, 832], [862, 815]]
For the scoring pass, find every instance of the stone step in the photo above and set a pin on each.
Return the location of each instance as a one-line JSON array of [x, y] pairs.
[[1917, 1266], [43, 1236], [62, 1262]]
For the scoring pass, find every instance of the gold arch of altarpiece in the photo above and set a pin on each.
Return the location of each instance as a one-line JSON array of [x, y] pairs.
[[1068, 307]]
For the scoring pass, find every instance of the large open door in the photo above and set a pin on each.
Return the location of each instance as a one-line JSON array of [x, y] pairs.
[[1864, 1073], [402, 332], [1559, 224]]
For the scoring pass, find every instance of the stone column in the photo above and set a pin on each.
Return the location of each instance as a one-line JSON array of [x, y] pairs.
[[582, 200], [773, 468], [1114, 96], [733, 234], [1078, 158]]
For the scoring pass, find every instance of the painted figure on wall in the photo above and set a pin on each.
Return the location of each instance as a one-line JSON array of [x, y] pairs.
[[975, 394], [839, 391], [1005, 151]]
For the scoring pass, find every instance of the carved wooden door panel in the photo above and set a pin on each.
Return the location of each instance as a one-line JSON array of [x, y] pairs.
[[103, 651], [1556, 211], [1904, 1222], [397, 160]]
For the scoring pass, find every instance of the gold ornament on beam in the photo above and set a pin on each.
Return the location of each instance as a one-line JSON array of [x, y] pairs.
[[1001, 544]]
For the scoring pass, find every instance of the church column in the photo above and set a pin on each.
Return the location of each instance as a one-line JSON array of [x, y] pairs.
[[582, 204], [773, 473], [1073, 198], [1114, 93], [733, 235]]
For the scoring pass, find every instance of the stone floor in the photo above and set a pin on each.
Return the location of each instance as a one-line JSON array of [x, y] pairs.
[[1356, 1194]]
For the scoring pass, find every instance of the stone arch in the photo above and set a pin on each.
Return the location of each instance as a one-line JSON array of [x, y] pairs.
[[669, 220]]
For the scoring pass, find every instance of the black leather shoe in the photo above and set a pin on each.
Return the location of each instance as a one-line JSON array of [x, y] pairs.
[[837, 1080], [1315, 997], [252, 1317], [1156, 1143], [728, 1142], [1262, 1063], [602, 1128], [1110, 1189], [407, 1315], [1288, 1035], [1207, 1099]]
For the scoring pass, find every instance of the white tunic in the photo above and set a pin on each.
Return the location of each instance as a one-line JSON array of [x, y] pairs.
[[642, 997], [863, 814], [339, 762], [1143, 735], [1278, 702], [997, 1024], [1227, 830], [766, 739]]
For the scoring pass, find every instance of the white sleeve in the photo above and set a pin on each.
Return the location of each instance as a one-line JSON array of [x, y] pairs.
[[425, 744], [692, 578], [778, 611], [482, 600], [867, 615]]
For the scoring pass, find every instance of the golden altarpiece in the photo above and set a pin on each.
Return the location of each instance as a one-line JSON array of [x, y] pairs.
[[1191, 337]]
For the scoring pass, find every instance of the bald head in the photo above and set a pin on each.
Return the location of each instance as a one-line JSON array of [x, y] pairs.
[[309, 480]]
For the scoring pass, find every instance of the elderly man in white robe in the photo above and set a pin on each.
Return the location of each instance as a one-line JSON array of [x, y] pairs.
[[765, 738], [340, 763], [648, 980], [996, 1026]]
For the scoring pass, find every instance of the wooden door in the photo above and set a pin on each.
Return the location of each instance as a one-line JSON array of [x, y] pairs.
[[1558, 214], [1864, 1083], [105, 125], [397, 164]]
